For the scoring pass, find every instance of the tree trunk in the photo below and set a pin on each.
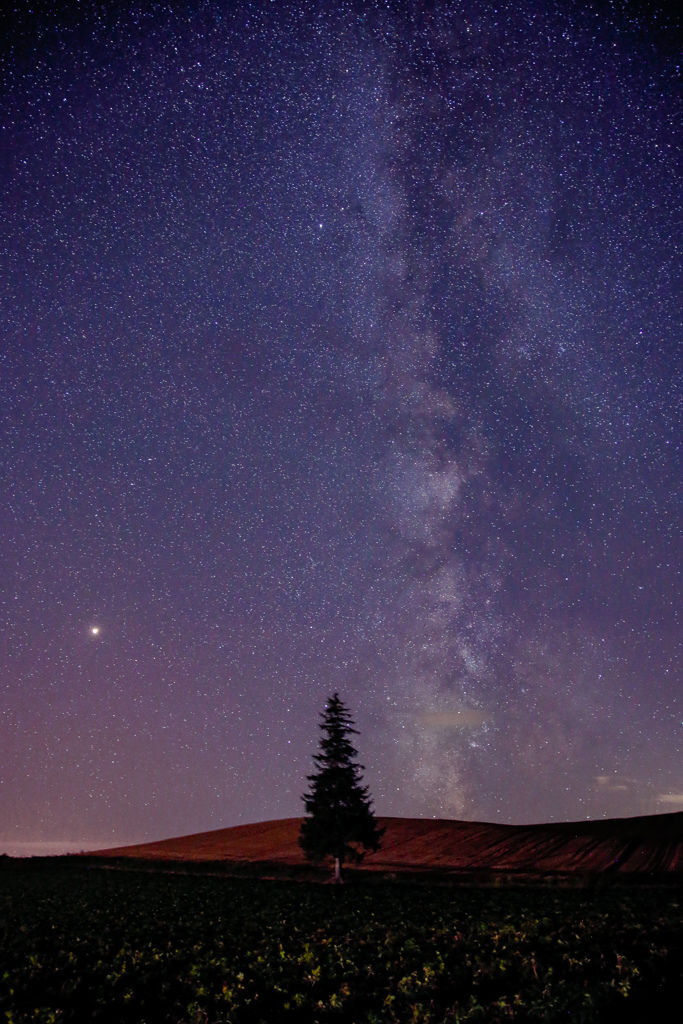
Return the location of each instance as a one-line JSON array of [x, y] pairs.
[[338, 880]]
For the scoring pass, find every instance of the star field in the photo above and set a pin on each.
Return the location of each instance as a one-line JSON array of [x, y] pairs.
[[340, 350]]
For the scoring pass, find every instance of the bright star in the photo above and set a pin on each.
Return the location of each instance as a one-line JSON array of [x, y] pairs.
[[95, 630]]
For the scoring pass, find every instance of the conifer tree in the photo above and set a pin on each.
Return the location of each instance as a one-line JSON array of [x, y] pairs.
[[339, 818]]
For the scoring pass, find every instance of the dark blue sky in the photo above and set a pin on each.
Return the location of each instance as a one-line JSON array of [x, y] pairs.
[[340, 350]]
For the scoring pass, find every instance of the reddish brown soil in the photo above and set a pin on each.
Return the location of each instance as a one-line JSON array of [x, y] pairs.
[[624, 845]]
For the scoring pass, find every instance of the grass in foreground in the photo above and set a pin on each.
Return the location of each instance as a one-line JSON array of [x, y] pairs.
[[115, 947]]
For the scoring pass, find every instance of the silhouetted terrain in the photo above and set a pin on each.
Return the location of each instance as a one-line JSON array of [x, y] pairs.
[[627, 846]]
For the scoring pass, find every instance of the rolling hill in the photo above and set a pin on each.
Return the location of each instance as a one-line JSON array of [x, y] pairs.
[[415, 846]]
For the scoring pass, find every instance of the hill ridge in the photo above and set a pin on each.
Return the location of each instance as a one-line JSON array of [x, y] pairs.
[[640, 845]]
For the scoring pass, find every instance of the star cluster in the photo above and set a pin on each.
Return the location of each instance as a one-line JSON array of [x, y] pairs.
[[340, 351]]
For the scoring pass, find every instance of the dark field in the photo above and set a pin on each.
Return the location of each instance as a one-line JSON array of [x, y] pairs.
[[113, 946]]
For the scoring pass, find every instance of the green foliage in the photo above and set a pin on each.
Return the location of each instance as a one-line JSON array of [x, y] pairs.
[[338, 807], [113, 947]]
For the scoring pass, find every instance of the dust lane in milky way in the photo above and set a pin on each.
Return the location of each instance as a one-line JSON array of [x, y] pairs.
[[340, 351]]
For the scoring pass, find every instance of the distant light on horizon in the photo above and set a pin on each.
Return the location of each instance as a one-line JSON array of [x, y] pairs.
[[52, 848]]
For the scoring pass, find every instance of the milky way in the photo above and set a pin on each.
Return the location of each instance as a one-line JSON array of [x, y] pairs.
[[340, 351]]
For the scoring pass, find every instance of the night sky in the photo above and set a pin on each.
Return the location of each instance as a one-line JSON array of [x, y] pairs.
[[340, 349]]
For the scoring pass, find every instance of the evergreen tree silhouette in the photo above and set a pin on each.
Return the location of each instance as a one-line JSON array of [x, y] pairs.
[[339, 818]]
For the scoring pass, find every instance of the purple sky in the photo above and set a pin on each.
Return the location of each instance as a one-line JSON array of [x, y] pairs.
[[340, 349]]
